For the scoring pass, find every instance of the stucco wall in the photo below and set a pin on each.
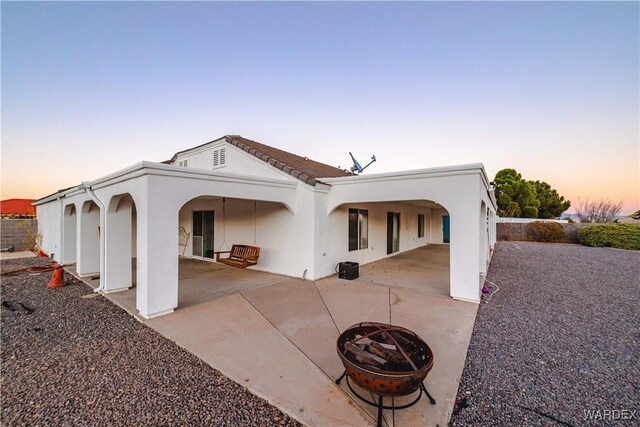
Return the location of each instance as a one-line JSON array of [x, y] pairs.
[[49, 227], [334, 246], [435, 225], [237, 162], [265, 224], [285, 239], [20, 233]]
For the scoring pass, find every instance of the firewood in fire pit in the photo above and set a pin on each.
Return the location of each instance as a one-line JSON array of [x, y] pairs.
[[364, 340], [390, 355], [364, 356]]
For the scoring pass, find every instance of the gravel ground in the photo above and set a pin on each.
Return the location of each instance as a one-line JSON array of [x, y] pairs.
[[559, 338], [69, 360]]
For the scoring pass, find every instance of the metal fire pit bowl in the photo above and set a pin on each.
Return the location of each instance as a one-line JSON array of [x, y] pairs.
[[382, 382], [391, 382]]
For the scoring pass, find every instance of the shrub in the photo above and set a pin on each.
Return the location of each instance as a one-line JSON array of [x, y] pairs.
[[622, 236], [545, 232]]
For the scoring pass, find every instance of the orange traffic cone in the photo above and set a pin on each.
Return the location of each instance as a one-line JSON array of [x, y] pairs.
[[57, 281]]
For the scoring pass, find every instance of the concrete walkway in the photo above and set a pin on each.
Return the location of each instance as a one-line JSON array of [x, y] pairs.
[[277, 335]]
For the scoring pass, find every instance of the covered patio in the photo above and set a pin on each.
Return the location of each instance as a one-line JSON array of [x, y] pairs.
[[276, 335], [424, 270]]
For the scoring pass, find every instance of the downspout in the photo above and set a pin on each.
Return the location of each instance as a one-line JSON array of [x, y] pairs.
[[91, 194], [61, 199]]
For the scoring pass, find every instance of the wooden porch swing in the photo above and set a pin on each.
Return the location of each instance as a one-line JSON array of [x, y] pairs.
[[241, 256]]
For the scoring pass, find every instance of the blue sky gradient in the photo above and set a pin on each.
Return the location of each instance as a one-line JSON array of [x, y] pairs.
[[551, 89]]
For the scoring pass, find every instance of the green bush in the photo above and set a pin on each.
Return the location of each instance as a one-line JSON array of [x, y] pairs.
[[622, 236], [545, 232]]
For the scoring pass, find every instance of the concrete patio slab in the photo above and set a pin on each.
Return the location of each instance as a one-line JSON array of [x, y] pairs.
[[276, 335], [352, 301], [424, 270], [203, 281], [232, 336], [200, 281], [446, 325], [297, 310]]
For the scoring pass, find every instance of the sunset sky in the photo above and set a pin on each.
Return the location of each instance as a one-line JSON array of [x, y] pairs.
[[551, 89]]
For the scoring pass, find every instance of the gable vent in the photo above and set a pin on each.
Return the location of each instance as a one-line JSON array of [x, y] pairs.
[[219, 157]]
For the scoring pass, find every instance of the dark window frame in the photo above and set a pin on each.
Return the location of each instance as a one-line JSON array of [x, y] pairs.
[[358, 227]]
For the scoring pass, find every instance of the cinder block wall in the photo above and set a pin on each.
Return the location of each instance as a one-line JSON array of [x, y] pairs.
[[20, 233], [519, 231]]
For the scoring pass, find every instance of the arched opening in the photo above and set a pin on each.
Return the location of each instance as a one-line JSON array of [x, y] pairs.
[[88, 253], [208, 225], [120, 244], [396, 243], [70, 231]]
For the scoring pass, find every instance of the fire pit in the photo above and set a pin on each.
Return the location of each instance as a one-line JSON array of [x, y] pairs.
[[388, 361]]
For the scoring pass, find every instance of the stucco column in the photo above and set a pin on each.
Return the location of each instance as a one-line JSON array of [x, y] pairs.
[[88, 247], [157, 243], [465, 251], [118, 248]]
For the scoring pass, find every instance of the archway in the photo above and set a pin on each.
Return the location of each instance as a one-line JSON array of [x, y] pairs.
[[396, 243], [120, 243], [210, 224]]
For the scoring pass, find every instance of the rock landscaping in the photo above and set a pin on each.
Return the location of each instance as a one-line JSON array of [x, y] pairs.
[[559, 343], [70, 357]]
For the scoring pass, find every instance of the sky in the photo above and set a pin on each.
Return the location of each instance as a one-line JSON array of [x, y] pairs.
[[551, 89]]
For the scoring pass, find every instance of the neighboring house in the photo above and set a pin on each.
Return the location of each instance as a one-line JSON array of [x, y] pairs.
[[17, 208], [305, 216]]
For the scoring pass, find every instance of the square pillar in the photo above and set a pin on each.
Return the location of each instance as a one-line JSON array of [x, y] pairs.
[[157, 263], [465, 253]]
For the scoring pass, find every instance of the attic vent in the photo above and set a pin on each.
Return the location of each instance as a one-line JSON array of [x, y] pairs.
[[219, 157], [180, 163], [186, 163]]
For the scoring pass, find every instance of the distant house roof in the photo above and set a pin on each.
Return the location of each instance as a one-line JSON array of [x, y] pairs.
[[17, 207], [302, 168]]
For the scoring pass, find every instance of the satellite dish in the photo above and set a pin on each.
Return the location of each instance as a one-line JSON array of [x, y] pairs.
[[357, 168]]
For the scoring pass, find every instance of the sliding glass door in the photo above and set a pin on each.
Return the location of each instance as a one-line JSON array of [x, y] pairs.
[[393, 232], [202, 234]]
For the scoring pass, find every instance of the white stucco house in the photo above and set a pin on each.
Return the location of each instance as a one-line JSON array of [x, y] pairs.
[[304, 215]]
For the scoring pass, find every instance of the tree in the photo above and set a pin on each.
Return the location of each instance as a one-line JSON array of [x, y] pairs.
[[516, 197], [551, 203], [598, 210]]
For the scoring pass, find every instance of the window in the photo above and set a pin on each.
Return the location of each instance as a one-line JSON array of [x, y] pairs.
[[420, 225], [219, 157], [180, 163], [393, 232], [358, 229], [186, 163]]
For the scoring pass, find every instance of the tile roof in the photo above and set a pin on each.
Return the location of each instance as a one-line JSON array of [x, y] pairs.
[[302, 168], [17, 207]]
